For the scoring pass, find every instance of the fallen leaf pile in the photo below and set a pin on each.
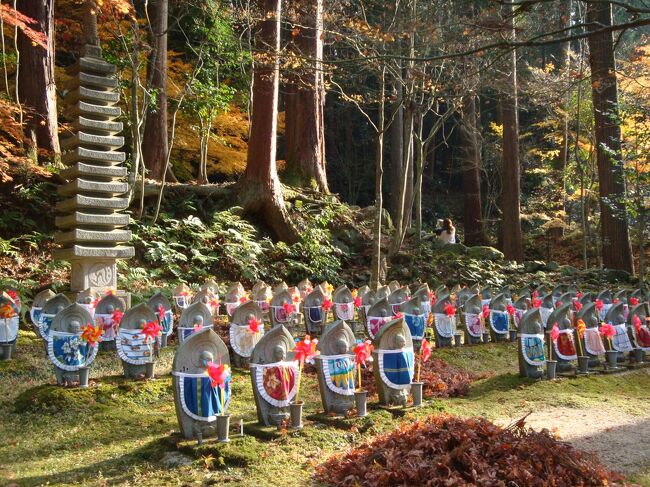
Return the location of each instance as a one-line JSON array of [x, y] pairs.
[[440, 379], [449, 451]]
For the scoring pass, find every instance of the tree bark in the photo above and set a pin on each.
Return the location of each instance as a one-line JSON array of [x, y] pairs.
[[510, 173], [305, 99], [36, 88], [259, 189], [615, 238], [471, 161], [396, 154], [155, 139], [376, 274]]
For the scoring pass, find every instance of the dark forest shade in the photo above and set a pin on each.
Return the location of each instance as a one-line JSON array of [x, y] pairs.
[[616, 247]]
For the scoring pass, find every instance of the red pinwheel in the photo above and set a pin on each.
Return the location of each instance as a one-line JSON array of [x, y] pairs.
[[243, 299], [327, 305], [537, 303], [558, 303], [555, 332], [510, 309], [219, 374], [397, 315], [450, 310], [362, 352], [486, 311], [636, 321], [578, 295], [432, 298], [425, 350], [305, 350], [599, 304], [91, 334], [296, 298], [288, 308], [577, 305], [13, 295], [362, 355], [535, 294], [607, 330], [117, 317], [161, 312], [151, 330], [254, 325], [633, 301], [357, 302], [616, 301]]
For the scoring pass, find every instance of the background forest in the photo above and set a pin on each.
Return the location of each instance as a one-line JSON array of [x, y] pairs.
[[326, 138]]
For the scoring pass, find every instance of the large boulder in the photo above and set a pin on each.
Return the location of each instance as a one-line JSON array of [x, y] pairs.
[[534, 265], [485, 253], [453, 249]]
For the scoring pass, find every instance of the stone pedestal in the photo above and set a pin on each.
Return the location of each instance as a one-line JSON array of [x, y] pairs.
[[91, 230]]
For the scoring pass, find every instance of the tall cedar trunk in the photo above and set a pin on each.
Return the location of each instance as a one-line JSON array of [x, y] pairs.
[[409, 156], [376, 271], [154, 141], [36, 78], [615, 238], [562, 65], [260, 191], [304, 110], [510, 177], [471, 161], [396, 154]]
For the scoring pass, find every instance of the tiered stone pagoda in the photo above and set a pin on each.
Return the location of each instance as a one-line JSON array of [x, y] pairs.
[[92, 229]]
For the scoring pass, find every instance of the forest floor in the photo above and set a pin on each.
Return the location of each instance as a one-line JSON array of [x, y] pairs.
[[125, 432]]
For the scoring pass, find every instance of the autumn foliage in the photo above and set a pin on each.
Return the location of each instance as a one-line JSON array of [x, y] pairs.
[[440, 379], [449, 451]]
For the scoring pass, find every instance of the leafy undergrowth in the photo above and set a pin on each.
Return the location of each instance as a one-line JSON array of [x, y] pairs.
[[446, 450]]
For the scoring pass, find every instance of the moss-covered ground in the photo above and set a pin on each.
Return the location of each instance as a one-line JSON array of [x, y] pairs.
[[125, 432]]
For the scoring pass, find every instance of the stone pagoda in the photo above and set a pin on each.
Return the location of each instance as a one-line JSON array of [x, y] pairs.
[[92, 229]]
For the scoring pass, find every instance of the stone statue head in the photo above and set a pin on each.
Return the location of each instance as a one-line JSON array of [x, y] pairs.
[[135, 318], [473, 305], [71, 320], [337, 339], [274, 346], [531, 322]]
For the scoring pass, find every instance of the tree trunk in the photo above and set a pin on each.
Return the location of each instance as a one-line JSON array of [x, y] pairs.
[[260, 191], [615, 238], [510, 177], [36, 86], [154, 142], [471, 161], [375, 265], [396, 154], [304, 110]]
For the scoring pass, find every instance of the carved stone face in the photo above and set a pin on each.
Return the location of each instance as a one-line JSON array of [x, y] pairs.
[[75, 326], [197, 320], [141, 323], [206, 357], [110, 309], [341, 346], [399, 340], [279, 353], [59, 308]]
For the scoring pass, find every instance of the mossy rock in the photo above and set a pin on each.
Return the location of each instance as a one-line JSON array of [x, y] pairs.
[[568, 270], [614, 275], [453, 249], [485, 253], [552, 266], [534, 265]]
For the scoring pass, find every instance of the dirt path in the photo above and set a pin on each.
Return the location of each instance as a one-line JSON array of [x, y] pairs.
[[621, 440]]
